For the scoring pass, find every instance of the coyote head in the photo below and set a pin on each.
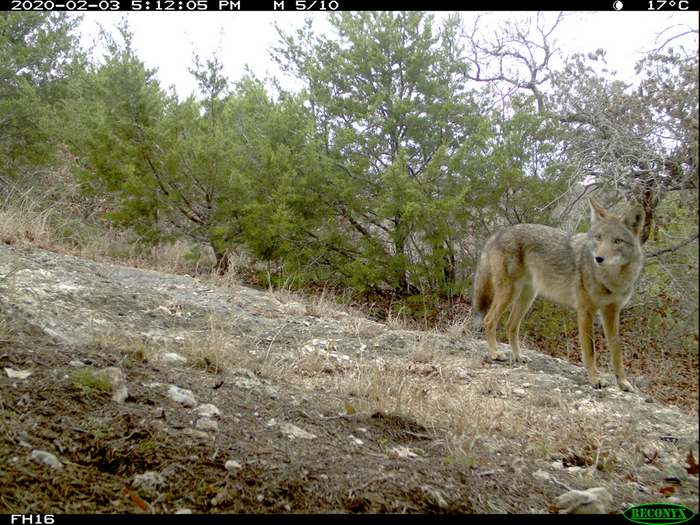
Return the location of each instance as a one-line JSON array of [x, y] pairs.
[[614, 240]]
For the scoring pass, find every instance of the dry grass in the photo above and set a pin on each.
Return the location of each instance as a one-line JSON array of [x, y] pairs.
[[22, 224], [58, 219], [479, 412]]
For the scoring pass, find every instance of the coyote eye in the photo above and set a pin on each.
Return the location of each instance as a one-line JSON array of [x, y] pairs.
[[598, 237], [619, 241]]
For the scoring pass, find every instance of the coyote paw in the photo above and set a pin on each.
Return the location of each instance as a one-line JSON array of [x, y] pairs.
[[625, 385], [498, 356], [521, 358], [598, 384]]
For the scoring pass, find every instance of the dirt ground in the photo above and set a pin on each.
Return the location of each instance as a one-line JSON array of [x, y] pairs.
[[104, 445], [325, 463]]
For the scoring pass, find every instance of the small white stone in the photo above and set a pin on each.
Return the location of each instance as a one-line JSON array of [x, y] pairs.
[[47, 458], [207, 410], [181, 395], [592, 501], [173, 357], [232, 465], [294, 431], [148, 480], [206, 424], [117, 382], [541, 474], [356, 441]]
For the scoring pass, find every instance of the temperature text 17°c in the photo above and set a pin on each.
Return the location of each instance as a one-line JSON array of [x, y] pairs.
[[665, 5]]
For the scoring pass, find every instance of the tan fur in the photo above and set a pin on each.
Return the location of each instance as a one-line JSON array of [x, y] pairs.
[[592, 272]]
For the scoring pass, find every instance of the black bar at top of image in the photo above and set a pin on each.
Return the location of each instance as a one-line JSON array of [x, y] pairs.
[[659, 6]]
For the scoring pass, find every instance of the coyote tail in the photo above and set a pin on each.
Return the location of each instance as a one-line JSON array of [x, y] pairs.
[[483, 291]]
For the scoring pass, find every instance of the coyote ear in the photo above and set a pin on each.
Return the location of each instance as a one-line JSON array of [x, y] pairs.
[[634, 219], [597, 211]]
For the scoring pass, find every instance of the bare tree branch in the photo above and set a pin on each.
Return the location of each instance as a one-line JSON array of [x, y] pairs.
[[672, 248], [517, 54]]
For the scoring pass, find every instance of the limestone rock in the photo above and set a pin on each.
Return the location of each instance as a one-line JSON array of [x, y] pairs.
[[592, 501]]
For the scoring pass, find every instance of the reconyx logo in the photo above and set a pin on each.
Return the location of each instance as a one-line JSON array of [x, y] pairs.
[[658, 513]]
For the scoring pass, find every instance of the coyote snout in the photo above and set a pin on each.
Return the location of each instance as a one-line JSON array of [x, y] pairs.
[[602, 260], [593, 272]]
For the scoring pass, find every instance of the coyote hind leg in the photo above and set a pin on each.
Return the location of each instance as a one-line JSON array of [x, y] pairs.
[[519, 308], [501, 301]]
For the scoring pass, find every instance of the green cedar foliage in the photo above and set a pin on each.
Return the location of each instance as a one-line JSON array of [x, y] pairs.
[[227, 168], [112, 120], [37, 53], [396, 123], [522, 179]]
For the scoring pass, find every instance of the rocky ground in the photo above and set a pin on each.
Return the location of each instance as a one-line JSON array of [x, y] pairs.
[[132, 391]]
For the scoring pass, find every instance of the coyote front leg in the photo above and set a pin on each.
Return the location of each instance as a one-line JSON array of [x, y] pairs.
[[585, 337], [611, 326]]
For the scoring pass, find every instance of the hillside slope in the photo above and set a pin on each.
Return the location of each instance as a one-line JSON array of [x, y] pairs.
[[130, 390]]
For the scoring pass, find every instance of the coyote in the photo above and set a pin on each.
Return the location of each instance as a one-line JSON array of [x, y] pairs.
[[593, 272]]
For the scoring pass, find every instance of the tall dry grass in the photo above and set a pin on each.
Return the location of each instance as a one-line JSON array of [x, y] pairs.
[[49, 211]]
